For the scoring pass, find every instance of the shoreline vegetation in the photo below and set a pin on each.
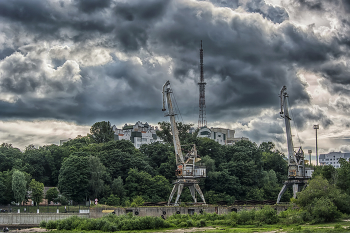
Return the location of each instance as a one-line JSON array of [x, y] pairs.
[[263, 220]]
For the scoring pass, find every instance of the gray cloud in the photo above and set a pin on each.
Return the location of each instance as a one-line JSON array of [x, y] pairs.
[[85, 61], [342, 104], [89, 6], [274, 13], [303, 116]]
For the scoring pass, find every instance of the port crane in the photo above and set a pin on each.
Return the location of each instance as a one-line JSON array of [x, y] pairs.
[[298, 174], [187, 171]]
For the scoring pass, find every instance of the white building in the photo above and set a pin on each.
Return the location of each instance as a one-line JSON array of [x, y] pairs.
[[332, 158], [138, 134], [220, 135]]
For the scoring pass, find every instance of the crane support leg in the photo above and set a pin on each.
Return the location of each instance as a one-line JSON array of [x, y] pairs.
[[284, 188], [179, 191], [193, 192], [172, 193], [295, 190], [200, 192]]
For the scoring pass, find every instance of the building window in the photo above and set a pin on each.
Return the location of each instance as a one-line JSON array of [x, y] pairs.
[[144, 139], [138, 140]]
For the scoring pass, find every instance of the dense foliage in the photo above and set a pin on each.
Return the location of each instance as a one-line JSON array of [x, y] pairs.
[[116, 172], [111, 222]]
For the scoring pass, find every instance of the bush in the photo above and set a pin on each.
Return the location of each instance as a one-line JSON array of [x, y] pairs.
[[266, 215], [51, 224], [182, 224], [190, 223], [246, 217], [323, 210], [42, 224]]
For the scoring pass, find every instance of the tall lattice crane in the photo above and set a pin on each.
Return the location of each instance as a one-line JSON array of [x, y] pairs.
[[187, 172], [297, 173]]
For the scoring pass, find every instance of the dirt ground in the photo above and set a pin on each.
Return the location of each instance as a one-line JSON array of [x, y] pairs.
[[35, 229]]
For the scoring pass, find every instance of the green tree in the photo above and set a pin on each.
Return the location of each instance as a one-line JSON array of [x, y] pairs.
[[54, 157], [19, 186], [274, 160], [157, 153], [74, 177], [140, 183], [35, 163], [113, 200], [317, 190], [98, 170], [166, 133], [328, 172], [37, 189], [118, 162], [118, 187], [101, 132], [51, 194], [343, 179], [270, 186], [6, 193], [10, 157], [211, 148], [137, 201]]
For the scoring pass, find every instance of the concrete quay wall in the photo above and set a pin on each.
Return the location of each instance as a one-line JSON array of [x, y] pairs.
[[16, 219], [170, 210], [7, 219]]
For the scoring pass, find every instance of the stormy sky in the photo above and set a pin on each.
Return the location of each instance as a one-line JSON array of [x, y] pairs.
[[66, 64]]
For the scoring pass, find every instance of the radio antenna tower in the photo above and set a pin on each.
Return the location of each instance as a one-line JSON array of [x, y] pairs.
[[202, 114]]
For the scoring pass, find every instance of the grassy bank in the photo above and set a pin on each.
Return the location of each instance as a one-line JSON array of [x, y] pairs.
[[263, 220]]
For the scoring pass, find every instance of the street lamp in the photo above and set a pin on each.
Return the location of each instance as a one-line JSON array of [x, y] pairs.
[[316, 127], [310, 151]]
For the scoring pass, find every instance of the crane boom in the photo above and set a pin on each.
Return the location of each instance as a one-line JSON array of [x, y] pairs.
[[285, 114], [167, 99]]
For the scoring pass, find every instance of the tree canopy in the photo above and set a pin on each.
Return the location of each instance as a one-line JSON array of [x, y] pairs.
[[37, 190], [116, 172], [19, 186], [101, 132]]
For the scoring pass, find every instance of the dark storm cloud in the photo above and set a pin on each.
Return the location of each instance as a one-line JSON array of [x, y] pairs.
[[27, 12], [264, 131], [346, 5], [303, 116], [89, 6], [247, 58], [134, 19], [44, 20]]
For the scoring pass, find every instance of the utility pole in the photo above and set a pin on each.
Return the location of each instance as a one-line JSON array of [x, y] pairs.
[[316, 127]]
